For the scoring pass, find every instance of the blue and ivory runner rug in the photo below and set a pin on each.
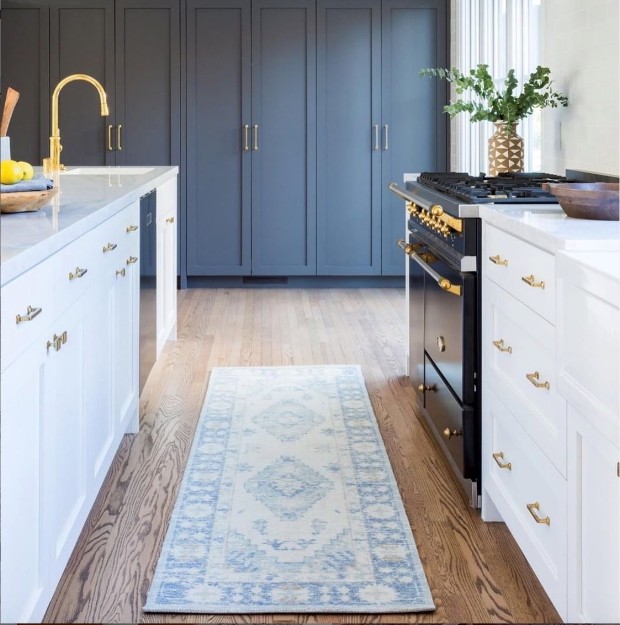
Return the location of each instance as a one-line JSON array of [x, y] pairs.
[[288, 503]]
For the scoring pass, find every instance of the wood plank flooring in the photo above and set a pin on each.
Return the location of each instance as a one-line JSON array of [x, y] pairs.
[[475, 570]]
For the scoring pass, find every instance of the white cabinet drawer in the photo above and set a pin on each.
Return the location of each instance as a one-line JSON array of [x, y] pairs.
[[529, 494], [525, 271], [118, 239], [28, 309], [519, 364]]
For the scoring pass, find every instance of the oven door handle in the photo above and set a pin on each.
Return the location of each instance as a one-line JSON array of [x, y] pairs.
[[443, 283]]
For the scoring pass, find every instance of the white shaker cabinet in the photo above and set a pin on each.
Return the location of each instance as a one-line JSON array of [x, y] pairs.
[[588, 359], [166, 263]]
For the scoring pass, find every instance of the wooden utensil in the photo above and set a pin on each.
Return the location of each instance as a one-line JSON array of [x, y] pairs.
[[9, 106]]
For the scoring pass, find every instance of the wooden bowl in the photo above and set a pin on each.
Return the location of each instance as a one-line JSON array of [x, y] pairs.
[[587, 200], [25, 201]]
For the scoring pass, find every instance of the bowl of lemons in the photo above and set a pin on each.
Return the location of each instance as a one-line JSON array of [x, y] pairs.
[[20, 190]]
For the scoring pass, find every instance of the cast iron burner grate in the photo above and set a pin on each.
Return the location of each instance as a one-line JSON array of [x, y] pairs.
[[505, 188]]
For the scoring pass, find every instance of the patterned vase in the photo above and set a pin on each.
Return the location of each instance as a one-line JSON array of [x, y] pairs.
[[505, 149]]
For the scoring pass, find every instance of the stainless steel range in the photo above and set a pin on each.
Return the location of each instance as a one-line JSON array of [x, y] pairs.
[[443, 245]]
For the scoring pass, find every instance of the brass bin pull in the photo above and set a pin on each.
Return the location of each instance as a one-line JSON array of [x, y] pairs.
[[132, 259], [498, 260], [531, 280], [131, 228], [78, 273], [534, 378], [121, 272], [500, 345], [170, 220], [246, 137], [110, 148], [31, 313], [498, 457], [533, 508], [448, 433], [118, 137], [108, 247]]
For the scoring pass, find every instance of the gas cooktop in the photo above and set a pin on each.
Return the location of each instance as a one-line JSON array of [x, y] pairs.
[[513, 188]]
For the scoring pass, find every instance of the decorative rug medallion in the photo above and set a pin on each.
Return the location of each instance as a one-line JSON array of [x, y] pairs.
[[288, 503]]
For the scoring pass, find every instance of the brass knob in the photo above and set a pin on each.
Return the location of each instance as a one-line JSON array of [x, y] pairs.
[[412, 209], [448, 433], [427, 387], [441, 343], [437, 210]]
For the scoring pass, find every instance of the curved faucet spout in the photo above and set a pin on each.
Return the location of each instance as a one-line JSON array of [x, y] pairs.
[[55, 146]]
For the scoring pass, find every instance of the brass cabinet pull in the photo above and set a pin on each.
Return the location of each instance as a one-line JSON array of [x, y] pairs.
[[246, 137], [498, 260], [121, 272], [427, 387], [170, 220], [255, 127], [448, 433], [131, 228], [386, 145], [110, 148], [132, 259], [57, 341], [500, 345], [534, 379], [31, 313], [498, 457], [108, 247], [119, 147], [78, 273], [376, 129], [531, 280], [533, 508]]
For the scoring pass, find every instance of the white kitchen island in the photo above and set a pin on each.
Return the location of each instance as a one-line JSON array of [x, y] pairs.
[[550, 400], [70, 277]]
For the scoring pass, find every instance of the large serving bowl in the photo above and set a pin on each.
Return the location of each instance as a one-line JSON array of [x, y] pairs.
[[588, 200]]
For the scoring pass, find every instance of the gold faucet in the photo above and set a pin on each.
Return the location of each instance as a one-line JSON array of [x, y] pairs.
[[55, 146]]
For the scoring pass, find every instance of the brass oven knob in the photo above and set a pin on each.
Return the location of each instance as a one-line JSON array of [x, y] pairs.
[[412, 209], [448, 433], [437, 210]]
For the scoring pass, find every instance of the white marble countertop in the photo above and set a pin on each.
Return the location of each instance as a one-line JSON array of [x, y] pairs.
[[84, 200], [548, 227]]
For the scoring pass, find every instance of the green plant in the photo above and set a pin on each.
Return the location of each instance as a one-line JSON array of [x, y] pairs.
[[494, 105]]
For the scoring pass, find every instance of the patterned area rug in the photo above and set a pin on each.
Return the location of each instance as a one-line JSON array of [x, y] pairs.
[[288, 503]]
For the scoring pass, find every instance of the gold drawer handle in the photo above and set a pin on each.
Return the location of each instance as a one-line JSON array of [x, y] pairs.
[[132, 259], [427, 387], [531, 280], [498, 260], [78, 273], [170, 220], [448, 433], [31, 313], [500, 345], [108, 247], [121, 272], [57, 341], [498, 457], [533, 507], [534, 378], [131, 228]]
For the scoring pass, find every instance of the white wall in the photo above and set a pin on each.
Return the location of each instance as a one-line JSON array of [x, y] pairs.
[[580, 43]]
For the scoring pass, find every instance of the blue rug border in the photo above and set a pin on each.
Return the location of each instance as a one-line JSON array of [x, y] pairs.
[[426, 602]]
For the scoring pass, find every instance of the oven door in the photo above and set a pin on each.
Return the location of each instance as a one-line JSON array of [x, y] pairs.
[[450, 324]]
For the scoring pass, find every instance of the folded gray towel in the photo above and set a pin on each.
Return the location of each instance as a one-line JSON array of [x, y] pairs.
[[38, 183]]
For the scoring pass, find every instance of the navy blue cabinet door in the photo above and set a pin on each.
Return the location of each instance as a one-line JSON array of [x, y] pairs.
[[82, 42], [283, 138], [218, 163], [413, 125], [25, 44], [348, 139]]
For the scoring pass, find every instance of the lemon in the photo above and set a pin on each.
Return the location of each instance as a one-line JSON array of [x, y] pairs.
[[10, 172], [27, 170]]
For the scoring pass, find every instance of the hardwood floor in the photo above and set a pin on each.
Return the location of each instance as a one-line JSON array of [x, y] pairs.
[[475, 570]]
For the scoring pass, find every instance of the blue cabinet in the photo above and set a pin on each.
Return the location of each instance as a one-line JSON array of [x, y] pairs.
[[376, 120]]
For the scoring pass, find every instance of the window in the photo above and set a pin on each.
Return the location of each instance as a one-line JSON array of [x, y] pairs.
[[502, 34]]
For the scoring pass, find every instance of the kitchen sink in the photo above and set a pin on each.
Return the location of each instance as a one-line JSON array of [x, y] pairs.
[[107, 171]]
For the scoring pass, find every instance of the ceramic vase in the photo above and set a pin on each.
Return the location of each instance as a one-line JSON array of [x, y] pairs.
[[505, 149]]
